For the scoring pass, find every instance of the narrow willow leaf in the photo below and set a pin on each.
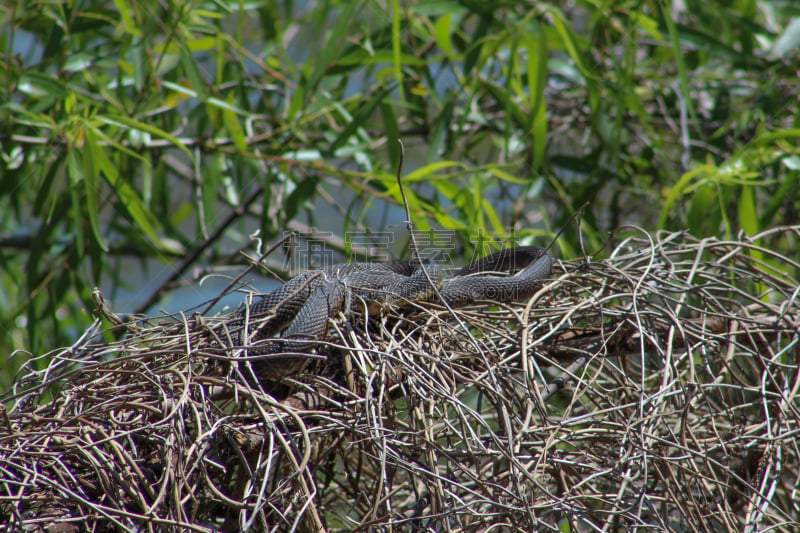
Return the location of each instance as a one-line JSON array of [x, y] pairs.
[[537, 79], [748, 216], [570, 42], [521, 119], [360, 57], [227, 106], [296, 102], [491, 213], [360, 118], [787, 189], [677, 53], [397, 51], [648, 24], [476, 46], [234, 129], [304, 192], [209, 181], [440, 133], [44, 189], [45, 83], [787, 42], [192, 71], [448, 222], [428, 172], [128, 23], [392, 132], [333, 44], [90, 173], [75, 172], [442, 29], [121, 120], [677, 190], [129, 198], [699, 217], [505, 176]]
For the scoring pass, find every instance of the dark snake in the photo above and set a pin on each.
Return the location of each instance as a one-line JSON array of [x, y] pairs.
[[299, 310]]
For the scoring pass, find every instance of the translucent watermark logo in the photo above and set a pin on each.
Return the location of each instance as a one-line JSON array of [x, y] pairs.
[[322, 249]]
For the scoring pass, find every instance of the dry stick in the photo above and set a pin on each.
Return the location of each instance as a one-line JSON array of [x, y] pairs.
[[506, 419], [526, 361], [586, 470], [249, 269], [240, 210]]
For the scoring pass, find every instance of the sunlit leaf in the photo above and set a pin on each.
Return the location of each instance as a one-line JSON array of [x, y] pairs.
[[442, 29], [428, 172], [234, 129], [787, 42], [748, 217], [43, 84], [119, 120]]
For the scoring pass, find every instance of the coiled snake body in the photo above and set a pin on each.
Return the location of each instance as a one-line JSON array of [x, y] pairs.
[[299, 310]]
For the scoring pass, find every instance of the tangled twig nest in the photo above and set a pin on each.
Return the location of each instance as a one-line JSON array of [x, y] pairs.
[[656, 388]]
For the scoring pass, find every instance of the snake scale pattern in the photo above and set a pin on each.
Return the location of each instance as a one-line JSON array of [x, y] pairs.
[[299, 310]]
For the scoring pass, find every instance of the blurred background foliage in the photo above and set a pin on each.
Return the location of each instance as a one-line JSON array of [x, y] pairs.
[[142, 142]]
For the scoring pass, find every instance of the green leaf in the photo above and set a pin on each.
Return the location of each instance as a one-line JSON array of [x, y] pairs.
[[787, 190], [537, 80], [491, 213], [358, 120], [397, 50], [477, 41], [130, 26], [45, 83], [44, 189], [448, 222], [442, 30], [192, 71], [392, 132], [570, 42], [227, 106], [129, 198], [91, 173], [521, 119], [304, 192], [120, 120], [234, 129], [699, 215], [441, 128], [296, 101], [209, 180], [505, 176], [333, 45], [648, 24], [427, 172], [787, 42], [748, 217], [360, 57], [75, 172], [677, 53], [676, 192]]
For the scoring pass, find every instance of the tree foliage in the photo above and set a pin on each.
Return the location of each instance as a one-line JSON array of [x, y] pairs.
[[162, 133]]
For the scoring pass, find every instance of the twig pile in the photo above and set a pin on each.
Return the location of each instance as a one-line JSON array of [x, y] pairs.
[[655, 388]]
